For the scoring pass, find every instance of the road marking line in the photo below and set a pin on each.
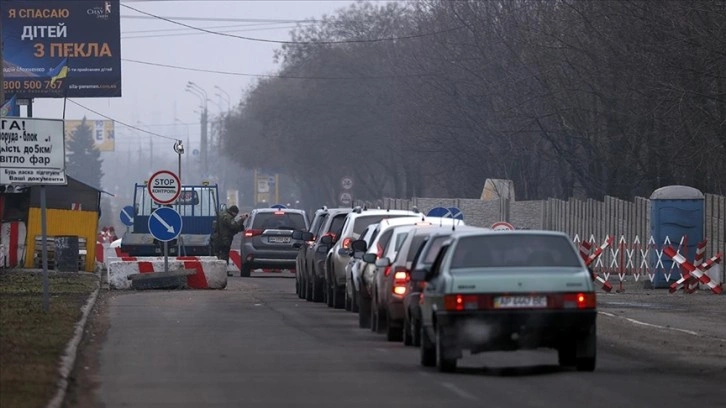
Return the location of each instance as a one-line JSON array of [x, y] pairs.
[[638, 322], [458, 391]]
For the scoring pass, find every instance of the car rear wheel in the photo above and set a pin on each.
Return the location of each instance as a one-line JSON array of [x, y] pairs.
[[407, 335], [393, 333], [338, 297], [348, 301], [330, 294], [364, 312], [318, 295], [428, 350], [445, 362]]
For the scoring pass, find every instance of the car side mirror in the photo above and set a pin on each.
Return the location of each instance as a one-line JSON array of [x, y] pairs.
[[321, 249], [343, 251], [418, 274], [358, 254], [326, 240], [297, 235], [383, 262], [369, 257], [359, 245], [306, 236]]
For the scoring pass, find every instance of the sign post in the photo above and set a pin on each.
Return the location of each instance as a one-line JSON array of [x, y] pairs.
[[164, 188], [165, 224]]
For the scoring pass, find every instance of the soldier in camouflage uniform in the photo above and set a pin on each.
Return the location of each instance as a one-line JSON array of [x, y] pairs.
[[225, 229]]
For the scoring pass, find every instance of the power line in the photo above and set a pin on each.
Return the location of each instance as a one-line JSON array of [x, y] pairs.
[[159, 30], [238, 20], [211, 71], [122, 123], [198, 33], [375, 40]]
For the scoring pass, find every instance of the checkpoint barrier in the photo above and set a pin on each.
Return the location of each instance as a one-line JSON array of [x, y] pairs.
[[209, 272], [637, 259]]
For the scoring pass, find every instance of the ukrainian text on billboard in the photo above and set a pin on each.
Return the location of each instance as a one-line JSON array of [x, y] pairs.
[[55, 49]]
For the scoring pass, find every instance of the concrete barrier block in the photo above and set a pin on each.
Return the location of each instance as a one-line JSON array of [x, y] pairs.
[[210, 273]]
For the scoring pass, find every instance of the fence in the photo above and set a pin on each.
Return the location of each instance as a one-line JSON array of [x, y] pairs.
[[589, 220]]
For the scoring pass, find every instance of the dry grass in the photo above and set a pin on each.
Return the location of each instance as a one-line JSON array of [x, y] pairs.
[[33, 341]]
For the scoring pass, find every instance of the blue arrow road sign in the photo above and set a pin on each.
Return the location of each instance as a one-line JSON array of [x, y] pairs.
[[279, 206], [439, 212], [456, 213], [127, 216], [165, 224]]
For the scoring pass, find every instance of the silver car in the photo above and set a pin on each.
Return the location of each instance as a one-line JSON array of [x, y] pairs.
[[267, 241], [339, 255]]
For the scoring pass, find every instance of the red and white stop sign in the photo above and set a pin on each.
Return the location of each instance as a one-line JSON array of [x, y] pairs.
[[164, 187], [502, 226]]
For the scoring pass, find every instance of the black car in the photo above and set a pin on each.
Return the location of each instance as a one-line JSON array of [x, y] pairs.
[[267, 241]]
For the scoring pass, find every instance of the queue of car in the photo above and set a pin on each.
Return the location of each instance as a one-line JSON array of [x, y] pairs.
[[449, 288]]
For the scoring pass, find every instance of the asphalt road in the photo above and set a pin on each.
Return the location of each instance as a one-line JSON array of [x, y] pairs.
[[255, 344]]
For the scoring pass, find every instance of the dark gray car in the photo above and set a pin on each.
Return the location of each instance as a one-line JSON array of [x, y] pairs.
[[267, 241]]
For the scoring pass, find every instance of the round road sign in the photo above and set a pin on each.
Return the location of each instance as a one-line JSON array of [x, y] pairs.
[[346, 198], [164, 187], [346, 183], [502, 226]]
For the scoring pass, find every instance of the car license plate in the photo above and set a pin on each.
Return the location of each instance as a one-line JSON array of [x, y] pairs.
[[279, 240], [517, 302]]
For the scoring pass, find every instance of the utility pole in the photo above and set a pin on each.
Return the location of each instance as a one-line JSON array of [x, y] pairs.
[[203, 150]]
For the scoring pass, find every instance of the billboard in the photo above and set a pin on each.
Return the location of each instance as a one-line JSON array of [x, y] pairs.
[[55, 49], [102, 130], [32, 151]]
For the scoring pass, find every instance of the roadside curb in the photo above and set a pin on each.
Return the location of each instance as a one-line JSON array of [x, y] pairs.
[[69, 357]]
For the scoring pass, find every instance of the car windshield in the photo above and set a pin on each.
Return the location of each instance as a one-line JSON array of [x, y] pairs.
[[279, 220], [514, 250]]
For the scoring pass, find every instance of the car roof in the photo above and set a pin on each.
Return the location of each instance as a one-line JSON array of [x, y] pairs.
[[269, 210], [483, 231], [356, 212]]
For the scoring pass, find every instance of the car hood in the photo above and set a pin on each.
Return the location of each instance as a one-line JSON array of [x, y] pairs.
[[519, 280]]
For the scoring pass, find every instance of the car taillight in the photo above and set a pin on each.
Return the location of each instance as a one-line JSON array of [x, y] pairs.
[[331, 235], [252, 232], [346, 243], [400, 280], [579, 300], [387, 271]]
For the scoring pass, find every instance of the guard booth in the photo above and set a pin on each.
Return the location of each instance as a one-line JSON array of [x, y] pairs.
[[71, 211], [677, 213]]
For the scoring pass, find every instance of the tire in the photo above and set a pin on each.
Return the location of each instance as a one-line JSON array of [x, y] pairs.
[[329, 294], [308, 290], [245, 271], [364, 310], [393, 333], [406, 334], [427, 349], [416, 331], [318, 295], [348, 301], [587, 352], [444, 362], [566, 354], [354, 302], [338, 297]]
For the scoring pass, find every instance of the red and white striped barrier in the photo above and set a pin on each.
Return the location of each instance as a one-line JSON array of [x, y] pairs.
[[210, 272], [693, 271], [692, 284], [585, 248]]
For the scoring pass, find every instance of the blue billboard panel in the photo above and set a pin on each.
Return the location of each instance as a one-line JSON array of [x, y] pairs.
[[55, 49]]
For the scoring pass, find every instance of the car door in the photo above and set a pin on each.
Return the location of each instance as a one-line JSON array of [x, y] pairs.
[[432, 297]]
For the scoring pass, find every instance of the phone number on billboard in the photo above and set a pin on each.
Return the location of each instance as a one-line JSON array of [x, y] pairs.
[[32, 84]]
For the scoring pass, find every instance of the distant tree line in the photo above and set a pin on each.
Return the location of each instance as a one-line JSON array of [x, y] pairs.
[[580, 98]]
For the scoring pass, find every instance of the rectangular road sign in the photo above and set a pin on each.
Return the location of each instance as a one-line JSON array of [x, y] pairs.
[[32, 151]]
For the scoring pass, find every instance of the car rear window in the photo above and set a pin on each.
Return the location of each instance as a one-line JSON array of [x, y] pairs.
[[512, 250], [433, 250], [415, 245], [279, 220], [336, 225], [365, 220]]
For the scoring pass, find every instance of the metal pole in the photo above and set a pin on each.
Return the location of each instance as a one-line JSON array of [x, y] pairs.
[[166, 256], [44, 234]]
